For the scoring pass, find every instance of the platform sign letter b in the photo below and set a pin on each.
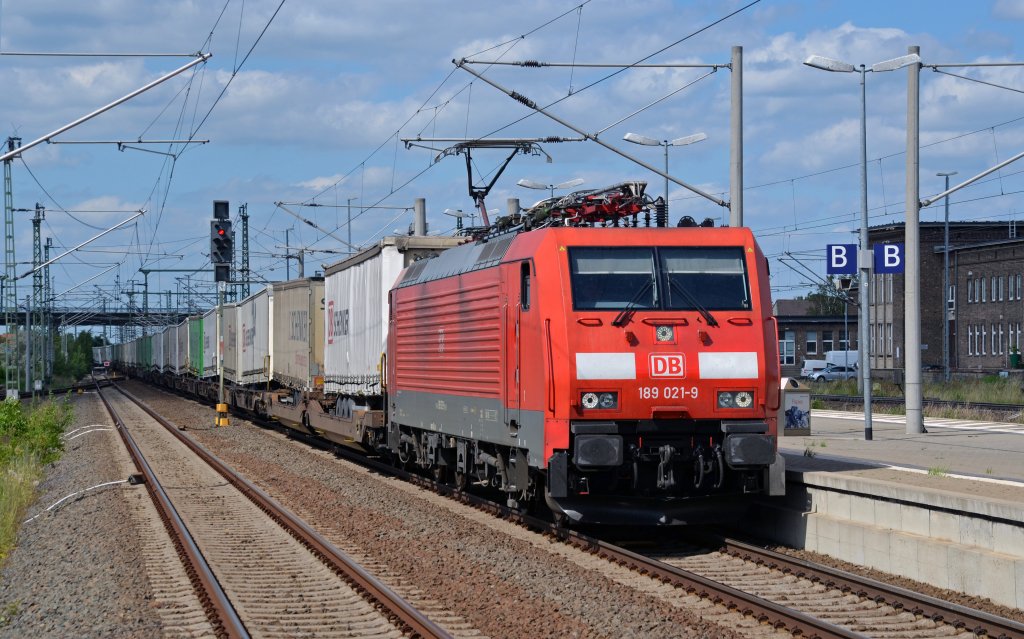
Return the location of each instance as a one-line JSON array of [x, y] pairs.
[[842, 259], [889, 258]]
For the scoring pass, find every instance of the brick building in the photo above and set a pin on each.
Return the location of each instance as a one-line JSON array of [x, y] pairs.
[[804, 336], [989, 313], [984, 258]]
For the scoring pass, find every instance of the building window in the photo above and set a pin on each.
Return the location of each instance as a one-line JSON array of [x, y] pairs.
[[984, 289], [787, 348], [1002, 286], [970, 290], [1018, 333], [826, 341], [984, 339], [811, 346], [1001, 351], [1018, 286], [970, 339], [888, 338], [888, 287], [844, 341], [1011, 287]]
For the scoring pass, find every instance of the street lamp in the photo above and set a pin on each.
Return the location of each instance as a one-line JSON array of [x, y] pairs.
[[636, 138], [828, 64], [945, 284], [530, 184], [458, 215]]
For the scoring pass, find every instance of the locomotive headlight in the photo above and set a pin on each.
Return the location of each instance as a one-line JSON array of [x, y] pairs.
[[608, 401], [735, 399], [602, 401]]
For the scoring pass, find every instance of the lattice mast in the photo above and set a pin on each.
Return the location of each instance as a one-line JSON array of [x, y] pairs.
[[38, 299], [10, 284]]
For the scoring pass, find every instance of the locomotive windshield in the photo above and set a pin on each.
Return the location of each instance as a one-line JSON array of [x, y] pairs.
[[613, 278], [666, 278]]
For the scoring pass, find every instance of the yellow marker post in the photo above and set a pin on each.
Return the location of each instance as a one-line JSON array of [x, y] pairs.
[[222, 415]]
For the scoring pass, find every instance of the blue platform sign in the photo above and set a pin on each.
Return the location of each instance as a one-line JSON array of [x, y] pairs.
[[842, 259], [889, 258]]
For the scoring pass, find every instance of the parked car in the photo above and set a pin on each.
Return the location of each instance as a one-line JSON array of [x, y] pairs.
[[812, 366], [832, 373]]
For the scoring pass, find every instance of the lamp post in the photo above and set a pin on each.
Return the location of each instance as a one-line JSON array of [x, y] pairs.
[[864, 317], [945, 284], [530, 184], [458, 215], [636, 138]]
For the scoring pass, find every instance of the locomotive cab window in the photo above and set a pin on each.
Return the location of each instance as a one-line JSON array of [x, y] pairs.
[[665, 278], [613, 278], [716, 276], [524, 286]]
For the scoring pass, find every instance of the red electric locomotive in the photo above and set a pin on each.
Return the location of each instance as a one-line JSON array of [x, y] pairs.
[[620, 373]]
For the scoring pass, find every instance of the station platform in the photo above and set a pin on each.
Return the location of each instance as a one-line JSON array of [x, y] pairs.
[[948, 454], [944, 507]]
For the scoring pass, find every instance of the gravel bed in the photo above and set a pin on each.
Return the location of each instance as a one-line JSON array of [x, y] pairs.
[[77, 570], [504, 581]]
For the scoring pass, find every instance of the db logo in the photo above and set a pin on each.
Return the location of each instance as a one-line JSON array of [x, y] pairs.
[[668, 365]]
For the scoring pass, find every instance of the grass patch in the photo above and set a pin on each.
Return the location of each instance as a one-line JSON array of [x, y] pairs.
[[938, 471], [8, 613], [990, 389], [29, 439]]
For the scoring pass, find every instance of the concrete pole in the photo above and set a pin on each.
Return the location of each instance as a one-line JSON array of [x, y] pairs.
[[419, 217], [864, 316], [736, 144], [912, 259]]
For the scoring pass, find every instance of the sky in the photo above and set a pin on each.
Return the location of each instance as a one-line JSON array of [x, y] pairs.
[[308, 102]]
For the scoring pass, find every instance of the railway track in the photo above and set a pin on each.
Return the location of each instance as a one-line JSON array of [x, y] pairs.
[[1012, 409], [865, 606], [259, 570], [801, 597], [780, 591]]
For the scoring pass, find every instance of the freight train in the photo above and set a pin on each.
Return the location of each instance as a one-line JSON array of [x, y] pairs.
[[573, 356]]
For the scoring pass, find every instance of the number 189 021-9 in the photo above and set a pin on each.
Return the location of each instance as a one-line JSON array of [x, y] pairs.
[[668, 392]]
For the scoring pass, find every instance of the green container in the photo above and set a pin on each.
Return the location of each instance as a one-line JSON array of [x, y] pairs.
[[1014, 360], [195, 346]]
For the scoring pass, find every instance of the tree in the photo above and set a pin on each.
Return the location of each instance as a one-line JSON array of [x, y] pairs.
[[828, 298]]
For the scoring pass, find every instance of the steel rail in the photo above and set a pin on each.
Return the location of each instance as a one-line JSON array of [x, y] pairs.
[[219, 611], [961, 617], [413, 620]]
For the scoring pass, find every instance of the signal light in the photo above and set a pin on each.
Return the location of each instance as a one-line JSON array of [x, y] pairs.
[[220, 241]]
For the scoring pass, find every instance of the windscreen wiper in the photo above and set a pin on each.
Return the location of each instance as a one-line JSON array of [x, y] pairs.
[[708, 317], [623, 317]]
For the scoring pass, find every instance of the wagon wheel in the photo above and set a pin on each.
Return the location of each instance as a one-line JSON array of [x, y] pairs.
[[440, 473], [459, 481]]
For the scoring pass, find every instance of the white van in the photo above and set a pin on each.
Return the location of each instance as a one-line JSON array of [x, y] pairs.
[[812, 366]]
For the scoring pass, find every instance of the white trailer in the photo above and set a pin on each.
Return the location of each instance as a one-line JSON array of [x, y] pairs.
[[356, 310]]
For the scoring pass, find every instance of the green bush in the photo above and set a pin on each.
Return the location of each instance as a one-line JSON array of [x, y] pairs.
[[29, 439], [34, 433]]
